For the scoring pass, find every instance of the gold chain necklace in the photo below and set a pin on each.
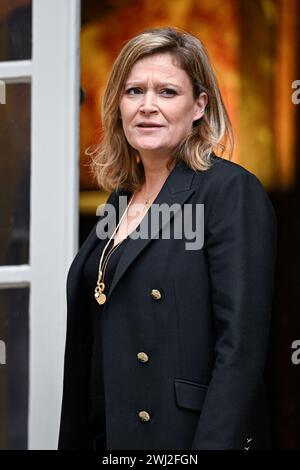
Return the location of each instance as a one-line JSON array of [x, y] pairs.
[[100, 286], [149, 197], [147, 200], [99, 289]]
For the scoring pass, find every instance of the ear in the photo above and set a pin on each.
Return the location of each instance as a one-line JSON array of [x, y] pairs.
[[200, 105]]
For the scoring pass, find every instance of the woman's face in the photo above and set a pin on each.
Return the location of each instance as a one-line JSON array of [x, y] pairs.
[[157, 106]]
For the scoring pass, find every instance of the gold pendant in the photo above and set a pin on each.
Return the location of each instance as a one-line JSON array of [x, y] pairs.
[[101, 299], [99, 296]]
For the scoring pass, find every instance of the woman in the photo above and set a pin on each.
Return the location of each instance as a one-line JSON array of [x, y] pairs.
[[166, 342]]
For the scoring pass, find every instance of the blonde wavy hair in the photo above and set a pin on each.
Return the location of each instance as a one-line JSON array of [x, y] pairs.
[[113, 161]]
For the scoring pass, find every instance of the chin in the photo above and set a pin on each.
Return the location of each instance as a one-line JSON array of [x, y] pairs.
[[150, 149], [149, 146]]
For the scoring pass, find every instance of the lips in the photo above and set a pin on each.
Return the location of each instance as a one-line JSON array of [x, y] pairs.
[[149, 129], [149, 125]]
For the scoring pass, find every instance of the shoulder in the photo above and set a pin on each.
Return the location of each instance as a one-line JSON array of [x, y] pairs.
[[227, 187], [221, 170], [226, 176]]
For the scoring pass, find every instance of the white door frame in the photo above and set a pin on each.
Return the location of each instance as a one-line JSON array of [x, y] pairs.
[[54, 192], [54, 205]]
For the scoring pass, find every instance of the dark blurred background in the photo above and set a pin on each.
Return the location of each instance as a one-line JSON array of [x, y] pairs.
[[254, 47]]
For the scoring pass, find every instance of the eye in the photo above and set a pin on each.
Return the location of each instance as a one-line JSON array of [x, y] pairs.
[[169, 91], [128, 92], [166, 91]]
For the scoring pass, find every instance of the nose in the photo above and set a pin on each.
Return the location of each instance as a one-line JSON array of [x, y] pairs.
[[148, 105]]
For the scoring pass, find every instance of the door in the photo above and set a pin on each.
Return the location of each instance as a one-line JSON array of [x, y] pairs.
[[39, 174]]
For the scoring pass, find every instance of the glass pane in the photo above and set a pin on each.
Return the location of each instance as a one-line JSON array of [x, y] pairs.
[[15, 175], [15, 29], [14, 353]]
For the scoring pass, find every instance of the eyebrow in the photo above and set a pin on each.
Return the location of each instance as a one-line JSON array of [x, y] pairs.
[[138, 82]]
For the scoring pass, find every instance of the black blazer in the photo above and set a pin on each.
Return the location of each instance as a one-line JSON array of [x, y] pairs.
[[205, 337]]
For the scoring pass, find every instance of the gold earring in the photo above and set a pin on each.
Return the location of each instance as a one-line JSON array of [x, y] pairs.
[[137, 158]]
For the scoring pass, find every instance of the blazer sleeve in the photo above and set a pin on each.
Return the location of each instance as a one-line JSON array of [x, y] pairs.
[[75, 427], [75, 431], [241, 246]]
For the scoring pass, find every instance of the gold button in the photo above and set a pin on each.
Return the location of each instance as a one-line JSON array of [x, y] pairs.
[[142, 357], [156, 295], [144, 416]]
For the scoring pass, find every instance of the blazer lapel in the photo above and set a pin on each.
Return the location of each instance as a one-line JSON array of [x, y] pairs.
[[176, 190]]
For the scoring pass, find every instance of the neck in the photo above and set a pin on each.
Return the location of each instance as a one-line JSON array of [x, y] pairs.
[[156, 173]]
